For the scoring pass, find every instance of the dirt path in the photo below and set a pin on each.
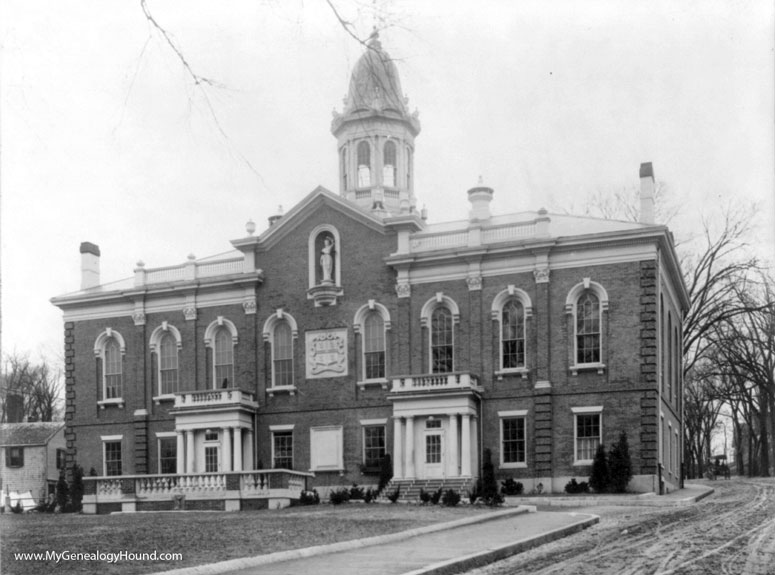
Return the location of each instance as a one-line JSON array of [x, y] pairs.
[[732, 532]]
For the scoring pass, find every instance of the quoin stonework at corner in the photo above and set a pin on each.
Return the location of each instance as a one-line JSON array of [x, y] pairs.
[[352, 327]]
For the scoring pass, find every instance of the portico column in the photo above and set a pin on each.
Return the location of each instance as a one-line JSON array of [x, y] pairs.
[[465, 446], [181, 454], [454, 462], [237, 449], [226, 448], [190, 451], [398, 448], [410, 473]]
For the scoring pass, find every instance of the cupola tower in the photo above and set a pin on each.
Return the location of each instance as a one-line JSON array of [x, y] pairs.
[[375, 137]]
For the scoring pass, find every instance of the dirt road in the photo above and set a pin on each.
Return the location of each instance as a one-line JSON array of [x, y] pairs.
[[731, 532]]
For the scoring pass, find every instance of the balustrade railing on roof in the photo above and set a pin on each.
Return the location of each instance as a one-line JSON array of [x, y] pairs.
[[435, 381], [183, 272], [214, 398]]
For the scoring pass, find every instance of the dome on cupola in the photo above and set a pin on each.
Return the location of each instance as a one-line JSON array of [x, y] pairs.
[[374, 83]]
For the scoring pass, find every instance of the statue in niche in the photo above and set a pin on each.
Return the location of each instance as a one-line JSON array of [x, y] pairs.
[[327, 260]]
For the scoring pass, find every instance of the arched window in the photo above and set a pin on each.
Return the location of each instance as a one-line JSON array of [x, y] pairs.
[[109, 349], [168, 365], [282, 355], [389, 164], [409, 168], [280, 332], [112, 389], [364, 164], [513, 335], [442, 341], [588, 329], [223, 357], [374, 346]]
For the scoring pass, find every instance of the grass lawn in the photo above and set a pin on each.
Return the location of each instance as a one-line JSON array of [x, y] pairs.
[[201, 537]]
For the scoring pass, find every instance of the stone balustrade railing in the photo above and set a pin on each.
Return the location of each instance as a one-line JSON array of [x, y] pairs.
[[214, 398], [441, 381]]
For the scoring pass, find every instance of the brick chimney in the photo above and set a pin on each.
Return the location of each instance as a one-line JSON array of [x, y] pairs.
[[646, 193], [90, 265]]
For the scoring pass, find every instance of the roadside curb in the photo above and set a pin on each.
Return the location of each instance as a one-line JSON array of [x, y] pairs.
[[259, 560], [640, 500], [479, 559]]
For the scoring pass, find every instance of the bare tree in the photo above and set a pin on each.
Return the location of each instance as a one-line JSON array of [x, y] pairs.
[[29, 390]]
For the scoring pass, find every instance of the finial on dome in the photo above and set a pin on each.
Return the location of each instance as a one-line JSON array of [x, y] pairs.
[[250, 227], [481, 180]]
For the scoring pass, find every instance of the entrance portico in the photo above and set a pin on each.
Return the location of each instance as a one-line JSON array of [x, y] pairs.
[[434, 426]]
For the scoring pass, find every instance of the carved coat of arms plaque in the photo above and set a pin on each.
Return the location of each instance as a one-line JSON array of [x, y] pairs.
[[326, 353]]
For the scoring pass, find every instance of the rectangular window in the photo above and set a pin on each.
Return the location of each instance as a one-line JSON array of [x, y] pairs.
[[211, 459], [112, 457], [61, 454], [168, 460], [374, 346], [282, 449], [14, 457], [587, 436], [513, 438], [433, 448], [373, 446]]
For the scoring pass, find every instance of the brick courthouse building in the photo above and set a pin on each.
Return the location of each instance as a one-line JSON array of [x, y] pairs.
[[352, 327]]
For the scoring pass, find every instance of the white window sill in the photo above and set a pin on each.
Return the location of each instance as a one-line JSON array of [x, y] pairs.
[[166, 397], [513, 466], [118, 401], [582, 462], [599, 367], [521, 371], [382, 382], [338, 470], [289, 389]]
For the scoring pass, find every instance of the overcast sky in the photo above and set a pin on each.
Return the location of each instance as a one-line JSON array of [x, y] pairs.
[[105, 137]]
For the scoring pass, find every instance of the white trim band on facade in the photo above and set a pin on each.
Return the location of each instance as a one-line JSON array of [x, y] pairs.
[[513, 413], [591, 409], [374, 421], [111, 437], [286, 427]]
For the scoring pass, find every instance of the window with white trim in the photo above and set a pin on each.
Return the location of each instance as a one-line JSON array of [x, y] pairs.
[[512, 335], [513, 441], [442, 340], [282, 355], [168, 365], [112, 388], [588, 329], [588, 434], [168, 454], [282, 449], [373, 446], [223, 359], [14, 456], [112, 461], [373, 346]]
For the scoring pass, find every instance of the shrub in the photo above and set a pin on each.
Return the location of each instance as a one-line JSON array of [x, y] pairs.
[[309, 497], [385, 472], [511, 487], [538, 489], [450, 498], [425, 497], [489, 486], [339, 496], [393, 497], [573, 487], [599, 479], [436, 496], [474, 494], [76, 488], [619, 465], [356, 492], [18, 507], [62, 492], [369, 496]]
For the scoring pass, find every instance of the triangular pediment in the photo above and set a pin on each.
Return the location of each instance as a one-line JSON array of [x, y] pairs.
[[310, 205]]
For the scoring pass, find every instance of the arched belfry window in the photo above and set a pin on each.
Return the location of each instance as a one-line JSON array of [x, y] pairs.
[[364, 164], [109, 349], [440, 315], [511, 308], [409, 168], [165, 343], [587, 305], [372, 322], [221, 337], [389, 164]]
